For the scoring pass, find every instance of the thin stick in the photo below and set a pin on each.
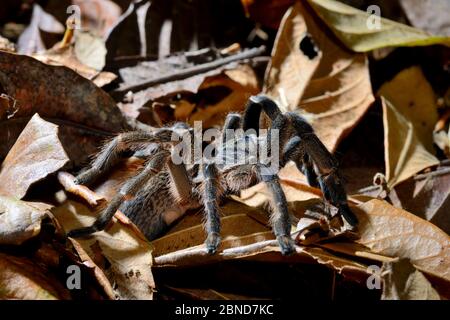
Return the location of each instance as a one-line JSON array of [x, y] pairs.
[[173, 257], [189, 72]]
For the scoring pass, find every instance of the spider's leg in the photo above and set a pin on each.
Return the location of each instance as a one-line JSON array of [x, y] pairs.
[[325, 166], [232, 122], [210, 202], [181, 182], [294, 151], [280, 219], [113, 151], [129, 189], [252, 112]]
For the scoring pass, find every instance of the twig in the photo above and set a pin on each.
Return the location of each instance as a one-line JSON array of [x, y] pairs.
[[418, 177], [189, 72], [230, 253], [432, 174]]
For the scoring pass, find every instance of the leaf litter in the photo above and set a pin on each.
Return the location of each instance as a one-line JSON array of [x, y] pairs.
[[313, 57]]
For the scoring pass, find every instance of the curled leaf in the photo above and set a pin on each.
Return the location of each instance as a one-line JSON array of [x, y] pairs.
[[20, 220], [397, 233], [363, 31], [122, 254], [331, 89], [401, 281], [405, 154], [21, 278], [36, 154]]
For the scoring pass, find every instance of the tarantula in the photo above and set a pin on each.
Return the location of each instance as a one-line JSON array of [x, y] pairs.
[[171, 188]]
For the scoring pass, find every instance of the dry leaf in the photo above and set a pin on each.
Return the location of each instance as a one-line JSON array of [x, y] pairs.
[[30, 40], [397, 233], [404, 153], [295, 58], [360, 31], [234, 226], [79, 57], [6, 45], [86, 114], [295, 190], [401, 281], [428, 197], [68, 182], [65, 56], [241, 81], [339, 93], [90, 50], [413, 97], [125, 257], [21, 278], [20, 220], [36, 154]]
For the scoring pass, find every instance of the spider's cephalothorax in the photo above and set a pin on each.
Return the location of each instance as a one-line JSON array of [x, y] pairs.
[[165, 188]]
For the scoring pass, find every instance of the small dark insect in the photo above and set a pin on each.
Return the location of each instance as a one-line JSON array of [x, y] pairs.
[[165, 190]]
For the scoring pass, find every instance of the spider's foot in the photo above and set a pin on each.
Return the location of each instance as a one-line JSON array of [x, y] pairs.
[[82, 232], [287, 245], [86, 177], [348, 215], [212, 243]]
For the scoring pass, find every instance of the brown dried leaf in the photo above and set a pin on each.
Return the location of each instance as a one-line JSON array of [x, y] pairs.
[[428, 197], [6, 45], [393, 232], [397, 233], [36, 154], [123, 255], [295, 190], [86, 56], [401, 281], [67, 181], [336, 93], [241, 81], [21, 278], [405, 155], [413, 97], [30, 40], [238, 221], [20, 220], [85, 113], [295, 58]]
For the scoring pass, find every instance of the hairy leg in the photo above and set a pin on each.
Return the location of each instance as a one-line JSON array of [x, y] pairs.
[[325, 167], [129, 189], [210, 202], [280, 219], [295, 152], [252, 113], [116, 148]]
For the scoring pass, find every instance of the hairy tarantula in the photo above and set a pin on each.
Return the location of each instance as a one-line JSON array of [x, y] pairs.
[[165, 189]]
